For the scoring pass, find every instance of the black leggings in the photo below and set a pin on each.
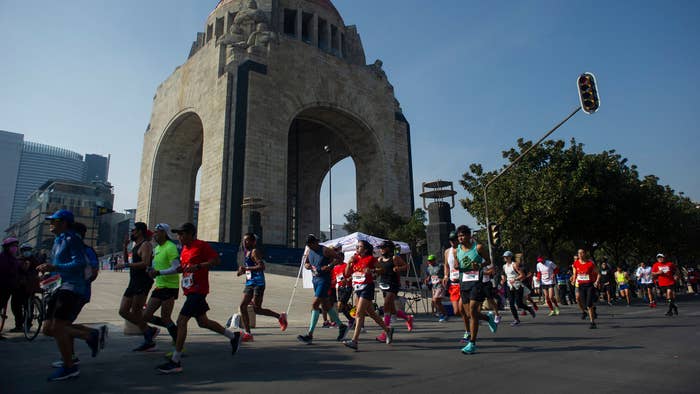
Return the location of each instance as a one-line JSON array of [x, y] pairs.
[[515, 297]]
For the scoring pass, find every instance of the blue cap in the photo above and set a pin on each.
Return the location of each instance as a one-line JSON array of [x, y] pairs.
[[63, 214]]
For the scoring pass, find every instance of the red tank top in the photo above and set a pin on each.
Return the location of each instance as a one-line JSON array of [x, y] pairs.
[[359, 277]]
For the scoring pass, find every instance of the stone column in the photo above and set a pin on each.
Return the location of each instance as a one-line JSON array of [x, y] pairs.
[[314, 31]]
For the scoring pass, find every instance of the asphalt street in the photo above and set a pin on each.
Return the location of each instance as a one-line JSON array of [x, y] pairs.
[[635, 349]]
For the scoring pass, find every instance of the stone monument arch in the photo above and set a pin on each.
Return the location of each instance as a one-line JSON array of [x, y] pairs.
[[267, 86]]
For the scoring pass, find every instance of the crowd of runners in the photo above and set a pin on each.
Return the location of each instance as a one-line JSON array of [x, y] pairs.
[[163, 260]]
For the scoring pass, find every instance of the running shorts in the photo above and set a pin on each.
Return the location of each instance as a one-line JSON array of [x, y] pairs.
[[344, 294], [588, 295], [547, 286], [366, 293], [321, 287], [64, 305], [256, 291], [623, 286], [138, 287], [165, 294], [195, 305], [473, 293]]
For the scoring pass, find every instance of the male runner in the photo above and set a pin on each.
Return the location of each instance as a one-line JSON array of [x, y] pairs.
[[452, 283], [586, 276], [646, 282], [166, 263], [472, 260], [196, 258], [606, 281], [667, 273], [254, 270], [546, 271], [140, 283], [318, 260]]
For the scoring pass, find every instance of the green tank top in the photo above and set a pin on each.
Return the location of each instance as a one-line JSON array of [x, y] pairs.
[[162, 256], [469, 260], [620, 277]]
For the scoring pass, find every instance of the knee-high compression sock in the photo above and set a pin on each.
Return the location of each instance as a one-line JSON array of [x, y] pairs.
[[402, 315], [387, 319], [314, 320], [334, 316]]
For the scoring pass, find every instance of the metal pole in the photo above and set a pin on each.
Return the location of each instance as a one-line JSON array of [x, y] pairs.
[[517, 159]]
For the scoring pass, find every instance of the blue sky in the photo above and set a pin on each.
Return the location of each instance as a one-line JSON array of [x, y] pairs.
[[472, 77]]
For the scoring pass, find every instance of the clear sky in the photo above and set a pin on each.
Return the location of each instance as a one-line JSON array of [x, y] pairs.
[[472, 77]]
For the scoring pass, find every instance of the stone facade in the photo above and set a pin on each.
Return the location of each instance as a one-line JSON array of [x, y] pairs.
[[265, 88]]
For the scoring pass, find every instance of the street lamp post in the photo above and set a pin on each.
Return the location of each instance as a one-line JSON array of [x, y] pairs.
[[330, 193]]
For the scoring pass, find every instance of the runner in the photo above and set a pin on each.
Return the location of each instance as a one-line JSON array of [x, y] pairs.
[[546, 271], [490, 274], [453, 284], [606, 281], [537, 287], [646, 282], [318, 260], [622, 280], [563, 279], [196, 258], [587, 278], [131, 308], [436, 278], [68, 259], [389, 269], [254, 291], [577, 293], [513, 276], [341, 286], [360, 268], [166, 263], [667, 274], [472, 261]]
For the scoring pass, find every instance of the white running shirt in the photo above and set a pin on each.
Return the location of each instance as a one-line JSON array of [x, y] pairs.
[[546, 271]]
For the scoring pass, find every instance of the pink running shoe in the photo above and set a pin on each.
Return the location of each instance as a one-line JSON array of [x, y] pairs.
[[409, 323], [247, 337], [381, 338], [283, 321]]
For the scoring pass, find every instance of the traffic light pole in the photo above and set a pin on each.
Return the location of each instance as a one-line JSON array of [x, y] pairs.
[[489, 183]]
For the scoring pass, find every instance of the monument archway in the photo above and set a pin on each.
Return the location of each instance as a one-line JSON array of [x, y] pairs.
[[308, 163], [177, 161], [265, 87]]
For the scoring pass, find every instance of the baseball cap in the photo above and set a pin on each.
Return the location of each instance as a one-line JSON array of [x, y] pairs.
[[508, 253], [452, 236], [660, 255], [62, 214], [540, 259], [185, 228], [164, 227], [431, 257]]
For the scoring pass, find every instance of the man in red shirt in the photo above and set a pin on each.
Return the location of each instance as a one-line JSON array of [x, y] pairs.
[[666, 273], [586, 275], [196, 258]]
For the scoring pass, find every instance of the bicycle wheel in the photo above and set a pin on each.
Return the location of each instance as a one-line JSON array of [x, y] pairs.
[[33, 318]]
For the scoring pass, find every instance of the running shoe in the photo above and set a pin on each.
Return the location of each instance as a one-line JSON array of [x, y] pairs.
[[532, 313], [326, 324], [442, 319], [351, 344], [497, 319], [469, 349], [390, 336], [307, 339], [409, 323], [247, 337], [592, 326], [515, 323], [651, 305], [151, 333], [381, 337], [93, 342], [283, 321], [342, 331], [63, 373], [551, 313], [669, 313], [493, 326], [170, 367], [675, 310], [59, 364], [523, 313], [556, 311], [145, 347], [104, 333], [235, 342]]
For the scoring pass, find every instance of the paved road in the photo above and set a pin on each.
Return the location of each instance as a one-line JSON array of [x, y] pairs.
[[634, 350]]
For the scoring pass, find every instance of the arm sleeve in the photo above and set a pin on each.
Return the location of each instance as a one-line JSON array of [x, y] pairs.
[[174, 265]]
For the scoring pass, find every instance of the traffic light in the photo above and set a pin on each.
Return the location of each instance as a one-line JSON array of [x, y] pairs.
[[495, 230], [588, 93]]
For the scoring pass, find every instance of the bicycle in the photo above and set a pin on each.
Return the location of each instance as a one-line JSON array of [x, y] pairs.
[[35, 309]]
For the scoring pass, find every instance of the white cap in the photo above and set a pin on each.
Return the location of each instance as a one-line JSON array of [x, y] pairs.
[[165, 227], [508, 253], [660, 255]]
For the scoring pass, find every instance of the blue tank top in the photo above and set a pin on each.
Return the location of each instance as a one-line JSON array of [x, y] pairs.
[[318, 260], [253, 278]]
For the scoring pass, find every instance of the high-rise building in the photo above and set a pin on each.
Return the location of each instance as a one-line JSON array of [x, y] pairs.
[[10, 153], [38, 164], [96, 168]]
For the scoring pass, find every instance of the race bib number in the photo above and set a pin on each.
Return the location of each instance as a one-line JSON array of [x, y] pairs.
[[434, 279], [470, 276], [248, 275], [664, 270], [583, 277], [358, 280], [187, 281], [339, 278], [454, 275]]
